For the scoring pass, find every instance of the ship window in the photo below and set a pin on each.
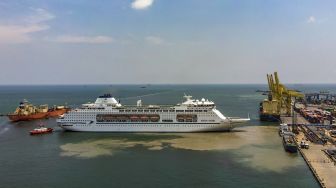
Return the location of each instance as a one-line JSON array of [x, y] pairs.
[[171, 110], [165, 110], [152, 110]]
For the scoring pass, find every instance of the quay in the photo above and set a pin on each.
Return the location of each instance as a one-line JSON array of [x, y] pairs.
[[312, 119], [322, 166]]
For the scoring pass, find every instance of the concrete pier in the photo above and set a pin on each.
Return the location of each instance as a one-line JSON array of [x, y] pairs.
[[323, 168]]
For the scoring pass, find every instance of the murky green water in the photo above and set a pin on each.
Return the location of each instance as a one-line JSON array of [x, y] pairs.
[[250, 156]]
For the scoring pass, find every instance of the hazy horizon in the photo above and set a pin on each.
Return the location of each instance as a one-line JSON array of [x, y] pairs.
[[166, 42], [232, 83]]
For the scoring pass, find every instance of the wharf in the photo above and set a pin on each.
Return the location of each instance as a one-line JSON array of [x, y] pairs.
[[323, 168]]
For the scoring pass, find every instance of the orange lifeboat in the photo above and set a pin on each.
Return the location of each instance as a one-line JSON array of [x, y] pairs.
[[144, 118], [154, 118], [134, 118]]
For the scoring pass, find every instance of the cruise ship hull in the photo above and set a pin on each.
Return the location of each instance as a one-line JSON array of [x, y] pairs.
[[108, 115], [154, 127]]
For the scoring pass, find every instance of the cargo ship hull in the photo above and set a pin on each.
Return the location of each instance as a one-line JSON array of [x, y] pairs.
[[291, 149], [15, 118], [57, 112], [27, 111], [40, 115], [269, 117], [289, 144], [267, 111]]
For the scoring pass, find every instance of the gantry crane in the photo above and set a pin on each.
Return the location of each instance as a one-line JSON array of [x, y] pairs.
[[281, 94]]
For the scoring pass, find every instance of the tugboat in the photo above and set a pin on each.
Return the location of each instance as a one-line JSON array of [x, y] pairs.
[[289, 143], [41, 130]]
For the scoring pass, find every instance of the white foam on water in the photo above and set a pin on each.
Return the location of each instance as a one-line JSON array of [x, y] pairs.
[[3, 130], [3, 127]]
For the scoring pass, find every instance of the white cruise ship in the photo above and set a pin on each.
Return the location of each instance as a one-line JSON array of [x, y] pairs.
[[108, 115]]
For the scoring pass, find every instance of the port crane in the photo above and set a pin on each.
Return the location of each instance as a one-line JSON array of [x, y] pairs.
[[281, 94]]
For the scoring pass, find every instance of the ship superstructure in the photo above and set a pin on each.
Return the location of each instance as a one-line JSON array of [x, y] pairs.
[[106, 114]]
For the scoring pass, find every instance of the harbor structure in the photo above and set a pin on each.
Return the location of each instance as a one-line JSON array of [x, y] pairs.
[[318, 153], [279, 101]]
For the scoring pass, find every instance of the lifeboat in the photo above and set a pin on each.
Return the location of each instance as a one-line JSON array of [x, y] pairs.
[[154, 118], [122, 117], [144, 118], [189, 120], [180, 120], [134, 118]]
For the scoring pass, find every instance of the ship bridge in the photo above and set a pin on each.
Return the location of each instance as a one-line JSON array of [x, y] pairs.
[[197, 103], [103, 101]]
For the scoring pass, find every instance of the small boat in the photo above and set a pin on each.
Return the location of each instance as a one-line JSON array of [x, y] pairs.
[[41, 130], [289, 143]]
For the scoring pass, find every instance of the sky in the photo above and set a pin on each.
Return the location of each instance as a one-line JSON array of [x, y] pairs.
[[166, 41]]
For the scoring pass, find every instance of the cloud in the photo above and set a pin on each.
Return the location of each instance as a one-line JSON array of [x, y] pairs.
[[11, 34], [82, 39], [311, 19], [155, 40], [141, 4], [14, 33], [40, 15]]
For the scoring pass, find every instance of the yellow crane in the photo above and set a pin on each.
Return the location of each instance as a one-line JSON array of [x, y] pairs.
[[281, 94]]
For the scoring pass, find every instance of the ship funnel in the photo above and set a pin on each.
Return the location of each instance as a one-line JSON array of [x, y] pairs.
[[139, 103]]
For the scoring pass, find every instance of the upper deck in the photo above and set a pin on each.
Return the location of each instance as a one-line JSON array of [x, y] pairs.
[[106, 101]]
